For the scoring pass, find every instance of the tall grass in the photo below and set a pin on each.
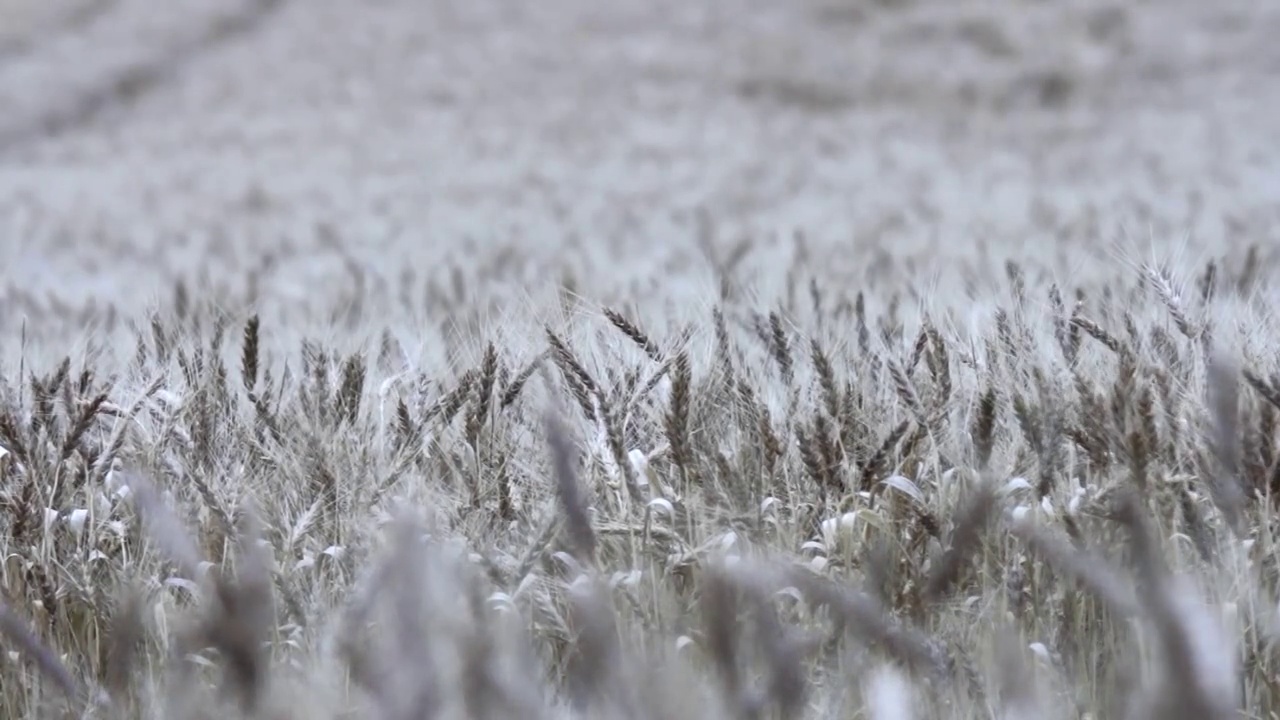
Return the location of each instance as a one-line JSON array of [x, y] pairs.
[[815, 508]]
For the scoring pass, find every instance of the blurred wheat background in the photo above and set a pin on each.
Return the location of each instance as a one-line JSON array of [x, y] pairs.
[[742, 359]]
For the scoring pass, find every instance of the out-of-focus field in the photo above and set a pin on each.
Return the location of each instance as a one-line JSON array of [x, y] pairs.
[[804, 357], [423, 136]]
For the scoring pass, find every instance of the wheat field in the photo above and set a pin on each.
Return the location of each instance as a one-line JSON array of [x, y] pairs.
[[731, 359]]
